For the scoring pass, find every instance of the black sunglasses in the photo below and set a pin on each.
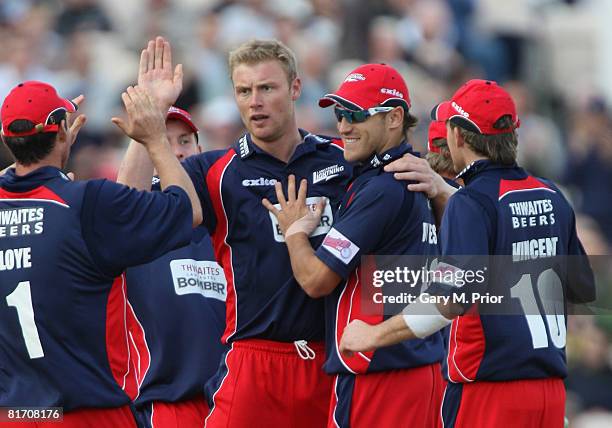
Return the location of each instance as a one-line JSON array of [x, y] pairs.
[[358, 116]]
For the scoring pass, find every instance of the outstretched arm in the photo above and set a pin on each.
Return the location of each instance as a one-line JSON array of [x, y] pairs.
[[155, 74], [297, 221], [146, 124], [418, 320]]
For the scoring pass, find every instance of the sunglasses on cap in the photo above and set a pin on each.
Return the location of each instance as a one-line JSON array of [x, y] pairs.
[[358, 116]]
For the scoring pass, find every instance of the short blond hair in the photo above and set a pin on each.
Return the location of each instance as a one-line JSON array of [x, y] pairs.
[[256, 51]]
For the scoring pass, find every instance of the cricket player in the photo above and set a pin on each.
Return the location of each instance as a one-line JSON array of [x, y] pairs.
[[178, 302], [518, 360], [272, 373], [438, 155], [63, 248], [400, 385]]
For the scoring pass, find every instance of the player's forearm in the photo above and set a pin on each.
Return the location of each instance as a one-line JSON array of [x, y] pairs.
[[390, 332], [136, 168], [419, 322], [315, 278], [172, 173]]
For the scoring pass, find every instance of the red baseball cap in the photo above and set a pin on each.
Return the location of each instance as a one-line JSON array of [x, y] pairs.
[[476, 106], [368, 86], [437, 130], [183, 116], [37, 102]]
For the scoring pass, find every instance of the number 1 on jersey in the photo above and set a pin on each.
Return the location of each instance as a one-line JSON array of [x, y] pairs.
[[21, 299]]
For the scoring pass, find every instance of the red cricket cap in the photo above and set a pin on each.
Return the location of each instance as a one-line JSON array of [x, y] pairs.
[[437, 130], [368, 86], [37, 102], [476, 106], [183, 116]]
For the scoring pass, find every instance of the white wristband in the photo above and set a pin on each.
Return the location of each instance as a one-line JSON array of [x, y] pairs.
[[424, 319]]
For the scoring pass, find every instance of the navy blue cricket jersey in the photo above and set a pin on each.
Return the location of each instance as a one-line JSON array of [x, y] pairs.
[[63, 312], [378, 215], [530, 226], [263, 298], [179, 305]]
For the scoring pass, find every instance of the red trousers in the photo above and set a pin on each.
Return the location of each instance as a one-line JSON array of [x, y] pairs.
[[266, 384], [529, 403], [182, 414], [408, 398]]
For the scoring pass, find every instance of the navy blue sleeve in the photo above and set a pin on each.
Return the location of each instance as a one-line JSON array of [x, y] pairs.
[[581, 280], [363, 224], [581, 286], [125, 227], [197, 167], [464, 241]]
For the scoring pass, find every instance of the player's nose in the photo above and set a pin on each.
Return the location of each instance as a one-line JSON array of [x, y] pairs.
[[344, 126]]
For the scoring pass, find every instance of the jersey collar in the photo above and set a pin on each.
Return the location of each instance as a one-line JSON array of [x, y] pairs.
[[310, 142], [379, 160], [479, 166], [14, 182]]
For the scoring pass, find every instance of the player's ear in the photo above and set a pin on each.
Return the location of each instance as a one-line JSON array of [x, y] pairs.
[[457, 135], [296, 88], [62, 131], [395, 118]]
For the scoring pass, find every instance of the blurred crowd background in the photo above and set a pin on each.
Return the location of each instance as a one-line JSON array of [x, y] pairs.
[[554, 57]]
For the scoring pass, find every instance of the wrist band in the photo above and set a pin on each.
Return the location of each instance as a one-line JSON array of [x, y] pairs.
[[424, 319], [298, 226]]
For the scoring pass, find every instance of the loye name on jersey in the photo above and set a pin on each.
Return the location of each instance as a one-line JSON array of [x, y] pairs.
[[327, 219], [198, 277]]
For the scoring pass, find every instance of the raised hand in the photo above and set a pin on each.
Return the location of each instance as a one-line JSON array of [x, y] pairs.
[[157, 76], [146, 123], [295, 216]]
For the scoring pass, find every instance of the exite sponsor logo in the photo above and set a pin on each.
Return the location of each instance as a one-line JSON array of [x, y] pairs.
[[393, 92], [327, 219], [340, 246], [460, 110], [258, 182], [354, 77], [327, 173], [199, 277]]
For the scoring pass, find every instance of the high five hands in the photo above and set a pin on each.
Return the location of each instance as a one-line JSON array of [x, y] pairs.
[[157, 76]]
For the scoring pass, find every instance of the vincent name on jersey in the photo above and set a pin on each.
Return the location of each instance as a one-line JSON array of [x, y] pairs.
[[534, 248], [21, 222]]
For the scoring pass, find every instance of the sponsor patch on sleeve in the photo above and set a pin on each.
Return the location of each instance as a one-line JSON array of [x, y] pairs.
[[340, 246]]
